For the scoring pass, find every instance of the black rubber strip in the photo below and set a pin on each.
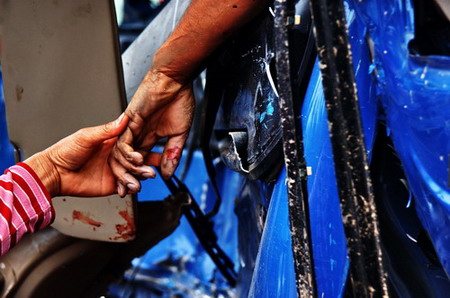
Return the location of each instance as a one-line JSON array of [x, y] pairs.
[[293, 157], [367, 274]]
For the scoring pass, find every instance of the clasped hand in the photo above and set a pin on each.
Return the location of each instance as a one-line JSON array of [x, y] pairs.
[[113, 157], [161, 107], [78, 164]]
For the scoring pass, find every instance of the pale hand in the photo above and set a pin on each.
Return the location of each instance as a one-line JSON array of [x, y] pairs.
[[78, 164]]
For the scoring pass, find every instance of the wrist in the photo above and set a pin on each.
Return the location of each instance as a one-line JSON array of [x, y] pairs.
[[46, 171], [164, 77], [160, 87], [168, 61]]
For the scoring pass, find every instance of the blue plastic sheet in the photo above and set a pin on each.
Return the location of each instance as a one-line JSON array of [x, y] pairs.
[[415, 93]]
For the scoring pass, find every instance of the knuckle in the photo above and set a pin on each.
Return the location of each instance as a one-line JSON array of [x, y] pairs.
[[116, 154], [82, 132], [106, 128]]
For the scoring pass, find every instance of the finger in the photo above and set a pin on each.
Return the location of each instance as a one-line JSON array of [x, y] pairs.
[[102, 152], [124, 145], [142, 171], [172, 155], [153, 159], [118, 172], [97, 134], [121, 190], [123, 177]]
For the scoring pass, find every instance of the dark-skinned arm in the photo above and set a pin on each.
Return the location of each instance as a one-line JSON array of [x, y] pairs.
[[163, 105]]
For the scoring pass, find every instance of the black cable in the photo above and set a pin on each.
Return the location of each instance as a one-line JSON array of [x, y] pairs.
[[209, 113]]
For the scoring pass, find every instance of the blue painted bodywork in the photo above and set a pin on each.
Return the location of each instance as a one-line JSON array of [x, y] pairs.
[[274, 275], [6, 150], [329, 244], [415, 93]]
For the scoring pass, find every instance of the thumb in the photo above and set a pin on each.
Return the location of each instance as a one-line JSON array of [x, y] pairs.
[[106, 131]]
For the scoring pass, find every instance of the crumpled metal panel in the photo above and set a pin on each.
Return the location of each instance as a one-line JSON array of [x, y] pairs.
[[415, 93], [242, 78], [329, 244]]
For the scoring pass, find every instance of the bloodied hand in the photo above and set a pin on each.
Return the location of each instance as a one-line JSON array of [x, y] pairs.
[[161, 108], [163, 105]]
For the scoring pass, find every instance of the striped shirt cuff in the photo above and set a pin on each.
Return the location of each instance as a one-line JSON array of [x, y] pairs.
[[25, 205]]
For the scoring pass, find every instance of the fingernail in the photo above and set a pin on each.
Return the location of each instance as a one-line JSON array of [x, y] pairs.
[[148, 175], [135, 158], [133, 187], [119, 120], [146, 169], [121, 190]]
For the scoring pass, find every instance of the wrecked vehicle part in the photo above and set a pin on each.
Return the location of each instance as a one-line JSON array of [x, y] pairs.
[[273, 273], [243, 77], [367, 274], [203, 229], [42, 264], [180, 265], [254, 196], [412, 264], [295, 166], [415, 95]]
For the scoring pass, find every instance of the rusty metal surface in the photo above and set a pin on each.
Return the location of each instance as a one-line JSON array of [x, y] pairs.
[[62, 71]]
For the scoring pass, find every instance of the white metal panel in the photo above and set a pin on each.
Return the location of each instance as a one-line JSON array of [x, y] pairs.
[[62, 71]]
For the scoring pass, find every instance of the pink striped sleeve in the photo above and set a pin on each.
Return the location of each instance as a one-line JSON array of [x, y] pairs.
[[25, 205]]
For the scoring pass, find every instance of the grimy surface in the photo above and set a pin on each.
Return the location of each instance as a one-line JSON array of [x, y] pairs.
[[294, 158], [367, 274]]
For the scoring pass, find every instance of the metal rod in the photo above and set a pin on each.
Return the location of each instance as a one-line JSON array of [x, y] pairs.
[[294, 157], [367, 274]]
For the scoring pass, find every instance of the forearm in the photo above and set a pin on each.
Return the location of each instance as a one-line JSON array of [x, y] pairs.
[[205, 25]]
